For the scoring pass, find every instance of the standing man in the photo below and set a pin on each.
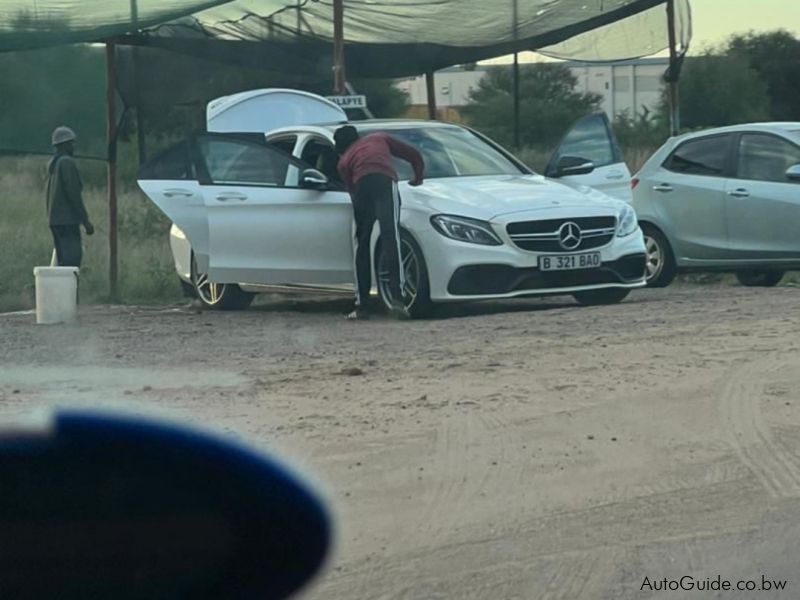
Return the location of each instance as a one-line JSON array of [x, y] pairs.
[[65, 209], [365, 165]]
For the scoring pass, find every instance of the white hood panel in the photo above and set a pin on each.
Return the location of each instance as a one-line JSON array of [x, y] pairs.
[[496, 198]]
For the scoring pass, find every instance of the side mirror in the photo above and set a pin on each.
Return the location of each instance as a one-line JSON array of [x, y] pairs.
[[311, 178], [571, 165], [107, 506], [793, 173]]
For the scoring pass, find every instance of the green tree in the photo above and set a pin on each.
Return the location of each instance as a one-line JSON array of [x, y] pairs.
[[775, 56], [718, 90], [549, 104]]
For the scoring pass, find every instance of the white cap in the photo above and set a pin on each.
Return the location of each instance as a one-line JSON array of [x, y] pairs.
[[63, 134]]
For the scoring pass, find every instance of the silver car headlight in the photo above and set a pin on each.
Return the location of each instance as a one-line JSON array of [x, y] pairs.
[[463, 229], [627, 222]]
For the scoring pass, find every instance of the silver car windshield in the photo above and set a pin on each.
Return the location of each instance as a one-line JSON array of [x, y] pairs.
[[452, 152]]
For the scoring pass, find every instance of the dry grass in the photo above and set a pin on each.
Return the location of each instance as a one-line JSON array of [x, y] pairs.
[[146, 271]]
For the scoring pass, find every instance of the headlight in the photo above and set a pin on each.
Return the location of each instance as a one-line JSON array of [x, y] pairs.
[[627, 222], [466, 230]]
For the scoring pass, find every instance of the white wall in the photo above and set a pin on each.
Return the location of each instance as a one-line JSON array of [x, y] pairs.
[[629, 86]]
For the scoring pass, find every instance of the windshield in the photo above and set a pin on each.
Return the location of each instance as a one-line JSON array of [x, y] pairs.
[[452, 152]]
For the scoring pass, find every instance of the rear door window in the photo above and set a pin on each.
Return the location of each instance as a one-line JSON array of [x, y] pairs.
[[764, 157], [231, 161], [704, 156], [172, 164]]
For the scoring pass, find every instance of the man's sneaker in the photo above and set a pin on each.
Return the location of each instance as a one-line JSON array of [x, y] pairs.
[[358, 314]]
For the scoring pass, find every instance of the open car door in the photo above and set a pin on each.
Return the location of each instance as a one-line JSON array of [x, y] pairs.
[[251, 213], [170, 181], [272, 219], [591, 140]]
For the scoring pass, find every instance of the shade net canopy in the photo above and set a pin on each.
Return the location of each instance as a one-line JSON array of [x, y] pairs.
[[179, 54], [642, 34], [398, 38], [26, 24]]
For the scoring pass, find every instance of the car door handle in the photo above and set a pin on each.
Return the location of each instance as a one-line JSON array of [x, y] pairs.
[[739, 193], [615, 175], [225, 196], [662, 187], [172, 192]]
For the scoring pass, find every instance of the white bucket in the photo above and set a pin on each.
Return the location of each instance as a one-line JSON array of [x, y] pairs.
[[56, 294]]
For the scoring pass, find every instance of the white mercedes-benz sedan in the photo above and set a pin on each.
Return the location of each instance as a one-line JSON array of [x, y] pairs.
[[257, 203]]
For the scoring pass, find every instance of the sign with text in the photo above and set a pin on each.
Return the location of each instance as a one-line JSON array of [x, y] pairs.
[[356, 101]]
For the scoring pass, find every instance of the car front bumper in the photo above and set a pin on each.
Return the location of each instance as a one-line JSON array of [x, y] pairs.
[[464, 271]]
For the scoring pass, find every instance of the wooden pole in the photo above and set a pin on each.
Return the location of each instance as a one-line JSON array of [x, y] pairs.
[[674, 105], [111, 98], [340, 77], [431, 89]]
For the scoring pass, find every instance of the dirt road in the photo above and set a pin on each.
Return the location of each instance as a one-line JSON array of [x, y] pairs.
[[515, 450]]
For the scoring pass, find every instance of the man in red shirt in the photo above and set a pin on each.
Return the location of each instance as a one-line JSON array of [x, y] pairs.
[[365, 165]]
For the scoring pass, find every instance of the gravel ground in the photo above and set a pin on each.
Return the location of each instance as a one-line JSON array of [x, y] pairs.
[[508, 450]]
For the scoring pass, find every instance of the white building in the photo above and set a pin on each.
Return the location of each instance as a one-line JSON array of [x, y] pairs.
[[625, 86]]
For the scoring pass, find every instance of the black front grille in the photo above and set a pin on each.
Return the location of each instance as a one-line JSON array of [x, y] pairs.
[[555, 246], [597, 232], [485, 280], [552, 225]]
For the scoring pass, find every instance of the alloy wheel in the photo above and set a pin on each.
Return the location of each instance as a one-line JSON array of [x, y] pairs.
[[210, 293], [410, 265], [655, 257]]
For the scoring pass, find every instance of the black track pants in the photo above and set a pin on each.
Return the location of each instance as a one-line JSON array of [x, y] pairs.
[[67, 242], [376, 197]]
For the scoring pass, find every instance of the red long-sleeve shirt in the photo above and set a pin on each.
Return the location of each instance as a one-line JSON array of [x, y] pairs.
[[373, 154]]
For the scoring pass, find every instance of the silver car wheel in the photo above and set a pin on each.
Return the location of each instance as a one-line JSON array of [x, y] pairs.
[[210, 293], [655, 257], [410, 264]]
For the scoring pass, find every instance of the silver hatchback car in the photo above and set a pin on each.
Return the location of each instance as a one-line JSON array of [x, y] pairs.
[[725, 199]]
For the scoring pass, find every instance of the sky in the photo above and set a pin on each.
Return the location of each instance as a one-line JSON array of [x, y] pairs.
[[713, 21]]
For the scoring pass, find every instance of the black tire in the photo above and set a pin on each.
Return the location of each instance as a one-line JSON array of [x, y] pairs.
[[760, 278], [601, 297], [419, 304], [187, 289], [219, 296], [660, 263]]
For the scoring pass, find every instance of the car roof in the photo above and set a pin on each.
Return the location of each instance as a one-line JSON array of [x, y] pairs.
[[773, 127], [327, 129]]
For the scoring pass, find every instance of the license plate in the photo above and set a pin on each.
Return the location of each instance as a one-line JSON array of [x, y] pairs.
[[567, 262]]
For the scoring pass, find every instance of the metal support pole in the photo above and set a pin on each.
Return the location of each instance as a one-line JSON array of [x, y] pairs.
[[340, 77], [516, 101], [430, 86], [674, 67], [141, 139], [111, 97], [516, 79]]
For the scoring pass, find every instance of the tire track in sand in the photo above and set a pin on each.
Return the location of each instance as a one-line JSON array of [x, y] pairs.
[[750, 435]]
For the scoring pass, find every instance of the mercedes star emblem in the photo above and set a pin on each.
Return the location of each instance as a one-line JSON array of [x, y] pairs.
[[569, 235]]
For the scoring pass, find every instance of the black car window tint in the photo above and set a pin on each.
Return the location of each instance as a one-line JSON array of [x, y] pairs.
[[322, 156], [589, 139], [285, 144], [765, 157], [172, 164], [236, 162], [705, 156]]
